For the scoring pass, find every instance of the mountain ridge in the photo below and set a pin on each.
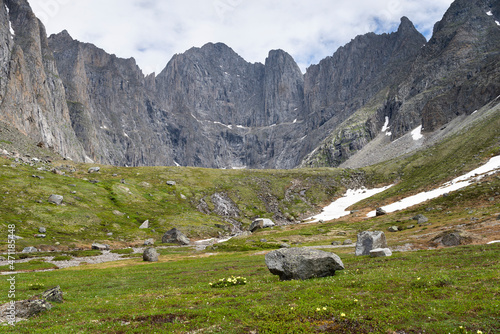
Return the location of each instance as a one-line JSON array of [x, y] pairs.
[[210, 108]]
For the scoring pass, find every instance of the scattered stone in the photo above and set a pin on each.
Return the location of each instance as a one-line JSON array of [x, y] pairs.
[[347, 242], [94, 170], [393, 229], [149, 242], [171, 183], [24, 309], [302, 263], [14, 237], [150, 255], [53, 295], [122, 181], [118, 213], [40, 235], [335, 243], [380, 252], [42, 230], [183, 196], [144, 225], [38, 177], [30, 250], [284, 245], [263, 240], [94, 181], [110, 234], [145, 184], [369, 240], [57, 171], [4, 152], [410, 227], [341, 233], [73, 192], [56, 199], [57, 243], [100, 247], [453, 238], [261, 223], [175, 236], [421, 219], [380, 212]]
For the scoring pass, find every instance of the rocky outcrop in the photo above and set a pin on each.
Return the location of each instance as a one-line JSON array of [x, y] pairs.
[[369, 240], [32, 96]]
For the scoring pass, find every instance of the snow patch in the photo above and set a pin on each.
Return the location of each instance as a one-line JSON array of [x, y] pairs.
[[338, 208], [294, 121], [498, 23], [176, 163], [493, 242], [126, 135], [489, 13], [103, 127], [241, 167], [240, 126], [386, 124], [474, 112], [460, 182], [417, 133], [388, 134], [227, 126]]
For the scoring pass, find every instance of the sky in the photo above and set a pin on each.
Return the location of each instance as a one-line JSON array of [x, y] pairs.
[[152, 31]]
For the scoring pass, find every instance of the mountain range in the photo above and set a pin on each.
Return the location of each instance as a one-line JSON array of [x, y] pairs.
[[211, 108]]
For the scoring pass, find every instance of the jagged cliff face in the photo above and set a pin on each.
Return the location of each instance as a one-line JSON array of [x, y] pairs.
[[32, 95], [455, 73], [211, 108]]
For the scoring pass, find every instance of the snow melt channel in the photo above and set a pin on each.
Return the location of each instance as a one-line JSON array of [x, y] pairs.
[[460, 182], [338, 208]]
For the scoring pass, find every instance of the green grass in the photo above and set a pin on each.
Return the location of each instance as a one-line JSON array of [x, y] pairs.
[[435, 291], [29, 266]]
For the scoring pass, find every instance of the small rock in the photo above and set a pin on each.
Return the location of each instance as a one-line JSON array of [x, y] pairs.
[[175, 236], [53, 295], [144, 225], [341, 233], [150, 255], [57, 243], [380, 212], [42, 230], [260, 223], [56, 199], [118, 213], [410, 227], [100, 247], [335, 243], [39, 235], [347, 242], [171, 183], [393, 229], [263, 240], [421, 219], [183, 196], [73, 192], [149, 242], [284, 245], [380, 252], [30, 250], [94, 170], [110, 234]]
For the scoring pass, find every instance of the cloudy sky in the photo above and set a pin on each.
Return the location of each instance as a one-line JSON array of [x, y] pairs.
[[152, 31]]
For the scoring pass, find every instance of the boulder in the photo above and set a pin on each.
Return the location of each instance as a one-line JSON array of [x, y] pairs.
[[302, 263], [150, 255], [94, 170], [149, 242], [30, 250], [144, 225], [175, 236], [369, 240], [261, 223], [53, 295], [380, 212], [453, 238], [100, 247], [380, 252], [56, 199], [24, 309], [421, 219]]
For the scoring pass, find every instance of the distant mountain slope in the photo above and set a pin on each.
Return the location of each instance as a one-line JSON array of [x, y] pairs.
[[211, 108]]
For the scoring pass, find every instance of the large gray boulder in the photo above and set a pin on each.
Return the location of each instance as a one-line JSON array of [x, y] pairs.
[[150, 255], [369, 240], [56, 199], [259, 223], [175, 236], [302, 263]]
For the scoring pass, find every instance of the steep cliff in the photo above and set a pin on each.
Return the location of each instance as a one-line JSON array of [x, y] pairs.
[[32, 94]]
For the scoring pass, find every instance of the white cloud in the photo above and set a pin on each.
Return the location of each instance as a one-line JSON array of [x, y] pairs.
[[152, 31]]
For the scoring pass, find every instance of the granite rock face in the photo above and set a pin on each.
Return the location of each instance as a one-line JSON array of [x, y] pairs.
[[211, 108]]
